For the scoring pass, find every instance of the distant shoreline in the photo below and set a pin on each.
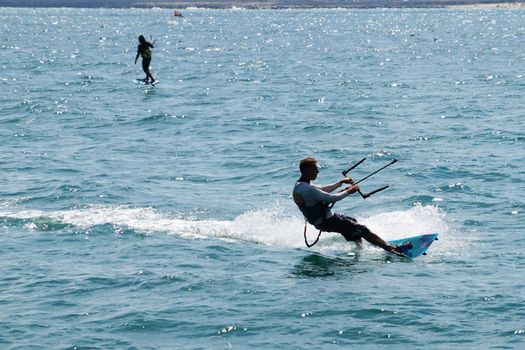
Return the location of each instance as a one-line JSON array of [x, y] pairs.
[[496, 5], [262, 4]]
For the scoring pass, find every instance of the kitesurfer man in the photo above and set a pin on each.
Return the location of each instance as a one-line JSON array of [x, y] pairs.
[[144, 51], [313, 202]]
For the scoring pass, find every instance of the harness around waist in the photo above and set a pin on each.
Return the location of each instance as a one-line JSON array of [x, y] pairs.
[[316, 214], [146, 54]]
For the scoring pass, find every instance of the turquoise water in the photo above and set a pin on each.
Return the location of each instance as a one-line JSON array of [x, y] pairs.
[[138, 217]]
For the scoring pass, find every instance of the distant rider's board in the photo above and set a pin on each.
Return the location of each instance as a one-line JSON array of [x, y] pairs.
[[143, 82], [415, 246]]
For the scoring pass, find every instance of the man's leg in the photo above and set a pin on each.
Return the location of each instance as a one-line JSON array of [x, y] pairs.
[[352, 231], [374, 239], [344, 225], [149, 72], [145, 68]]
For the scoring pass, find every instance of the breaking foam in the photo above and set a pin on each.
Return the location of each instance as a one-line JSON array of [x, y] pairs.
[[277, 226]]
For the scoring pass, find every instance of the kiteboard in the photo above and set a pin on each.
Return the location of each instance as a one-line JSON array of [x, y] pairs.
[[143, 82], [415, 246]]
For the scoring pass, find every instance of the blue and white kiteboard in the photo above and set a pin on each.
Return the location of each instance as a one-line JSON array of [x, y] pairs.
[[415, 246]]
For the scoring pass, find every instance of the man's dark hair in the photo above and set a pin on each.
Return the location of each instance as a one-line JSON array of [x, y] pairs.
[[307, 163]]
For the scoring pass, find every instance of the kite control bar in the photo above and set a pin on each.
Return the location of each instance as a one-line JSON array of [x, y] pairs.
[[366, 195]]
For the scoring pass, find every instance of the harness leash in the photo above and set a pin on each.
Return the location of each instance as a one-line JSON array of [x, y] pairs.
[[306, 240], [319, 234]]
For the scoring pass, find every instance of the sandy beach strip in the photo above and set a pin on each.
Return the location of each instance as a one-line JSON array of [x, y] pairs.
[[496, 5]]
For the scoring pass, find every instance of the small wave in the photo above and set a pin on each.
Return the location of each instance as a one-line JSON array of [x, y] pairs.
[[159, 118]]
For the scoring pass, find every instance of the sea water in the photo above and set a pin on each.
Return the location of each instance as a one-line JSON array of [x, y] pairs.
[[140, 217]]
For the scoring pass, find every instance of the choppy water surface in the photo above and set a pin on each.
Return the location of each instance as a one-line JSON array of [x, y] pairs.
[[136, 217]]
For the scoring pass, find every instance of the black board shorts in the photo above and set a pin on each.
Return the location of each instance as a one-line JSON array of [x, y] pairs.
[[345, 225]]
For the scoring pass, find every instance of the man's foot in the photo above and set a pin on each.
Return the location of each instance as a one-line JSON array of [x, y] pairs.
[[152, 81], [397, 251]]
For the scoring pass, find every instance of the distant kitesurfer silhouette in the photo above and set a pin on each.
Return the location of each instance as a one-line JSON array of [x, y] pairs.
[[144, 51]]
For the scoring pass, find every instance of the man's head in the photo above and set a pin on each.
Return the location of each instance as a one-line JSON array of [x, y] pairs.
[[308, 168]]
